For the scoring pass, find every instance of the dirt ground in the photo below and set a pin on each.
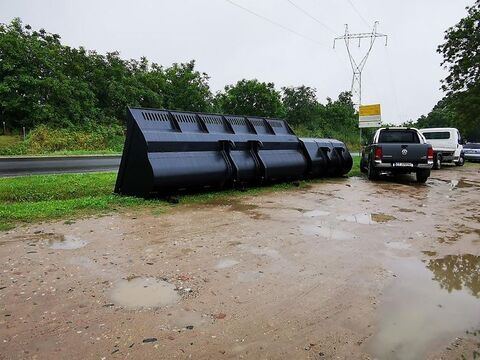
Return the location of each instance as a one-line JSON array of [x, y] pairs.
[[344, 269]]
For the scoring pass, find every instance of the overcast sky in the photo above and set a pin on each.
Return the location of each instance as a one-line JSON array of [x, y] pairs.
[[230, 43]]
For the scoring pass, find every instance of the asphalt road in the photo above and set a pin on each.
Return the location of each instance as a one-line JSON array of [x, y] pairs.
[[16, 166]]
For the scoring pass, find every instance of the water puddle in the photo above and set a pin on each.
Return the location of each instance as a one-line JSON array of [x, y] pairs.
[[316, 213], [327, 232], [226, 263], [66, 242], [457, 272], [365, 219], [144, 293], [419, 314], [463, 183]]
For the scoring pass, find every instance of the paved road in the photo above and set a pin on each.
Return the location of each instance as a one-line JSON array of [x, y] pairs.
[[15, 166]]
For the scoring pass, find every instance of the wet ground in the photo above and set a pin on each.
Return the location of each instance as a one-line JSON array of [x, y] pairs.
[[345, 269]]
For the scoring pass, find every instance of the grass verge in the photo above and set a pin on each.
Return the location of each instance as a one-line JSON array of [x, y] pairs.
[[29, 199]]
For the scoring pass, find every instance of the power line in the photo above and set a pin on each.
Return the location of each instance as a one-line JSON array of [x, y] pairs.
[[357, 66], [312, 17], [275, 23], [358, 13]]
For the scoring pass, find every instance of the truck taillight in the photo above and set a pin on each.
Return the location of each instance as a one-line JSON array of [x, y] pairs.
[[378, 153], [430, 153]]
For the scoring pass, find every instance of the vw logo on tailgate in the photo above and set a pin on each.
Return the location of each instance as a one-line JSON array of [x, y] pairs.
[[404, 152]]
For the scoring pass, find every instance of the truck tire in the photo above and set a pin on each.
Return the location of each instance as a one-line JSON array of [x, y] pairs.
[[422, 176], [461, 161], [372, 173], [437, 162], [363, 168]]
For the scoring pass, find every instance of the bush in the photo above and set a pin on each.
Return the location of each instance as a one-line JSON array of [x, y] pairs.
[[46, 140]]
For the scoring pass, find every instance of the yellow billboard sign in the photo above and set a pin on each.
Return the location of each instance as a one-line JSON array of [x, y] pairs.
[[369, 116], [370, 110]]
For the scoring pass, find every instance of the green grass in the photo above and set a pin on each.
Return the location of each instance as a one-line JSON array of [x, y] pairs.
[[30, 199], [356, 167]]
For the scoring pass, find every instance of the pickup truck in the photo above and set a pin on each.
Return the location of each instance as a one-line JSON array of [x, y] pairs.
[[447, 146], [397, 151]]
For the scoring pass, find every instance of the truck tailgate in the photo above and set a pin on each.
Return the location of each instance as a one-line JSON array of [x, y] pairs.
[[402, 153]]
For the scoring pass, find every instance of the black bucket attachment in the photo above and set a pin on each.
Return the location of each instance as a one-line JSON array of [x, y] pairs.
[[168, 151]]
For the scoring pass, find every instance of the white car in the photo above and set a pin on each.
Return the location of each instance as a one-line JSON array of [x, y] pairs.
[[447, 146], [472, 151]]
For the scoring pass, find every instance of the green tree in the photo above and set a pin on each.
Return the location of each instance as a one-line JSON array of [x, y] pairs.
[[461, 57], [300, 105], [251, 97], [186, 88], [442, 115]]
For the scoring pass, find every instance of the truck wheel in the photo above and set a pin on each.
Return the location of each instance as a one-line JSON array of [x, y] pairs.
[[461, 161], [437, 162], [372, 173], [422, 176], [363, 168]]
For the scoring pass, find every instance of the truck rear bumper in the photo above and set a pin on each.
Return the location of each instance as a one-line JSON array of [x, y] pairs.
[[392, 167]]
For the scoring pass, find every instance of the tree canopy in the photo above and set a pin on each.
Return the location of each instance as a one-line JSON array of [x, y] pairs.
[[460, 108], [46, 83]]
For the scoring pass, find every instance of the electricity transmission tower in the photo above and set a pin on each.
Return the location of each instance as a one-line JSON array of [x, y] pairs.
[[357, 66]]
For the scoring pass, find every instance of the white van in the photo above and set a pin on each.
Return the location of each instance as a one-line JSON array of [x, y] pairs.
[[447, 146]]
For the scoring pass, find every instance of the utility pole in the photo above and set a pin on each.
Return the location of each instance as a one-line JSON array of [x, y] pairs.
[[357, 66]]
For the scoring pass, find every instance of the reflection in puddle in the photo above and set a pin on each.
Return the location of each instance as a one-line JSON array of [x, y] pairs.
[[457, 272], [418, 316], [382, 218], [226, 263], [67, 242], [365, 219], [316, 213], [144, 292]]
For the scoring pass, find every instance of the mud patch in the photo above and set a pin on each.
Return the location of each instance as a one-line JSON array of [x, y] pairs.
[[429, 253], [382, 218], [316, 213], [405, 210], [66, 242], [417, 315], [144, 293]]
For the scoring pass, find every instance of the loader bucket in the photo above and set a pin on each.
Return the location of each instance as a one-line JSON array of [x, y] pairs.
[[169, 151]]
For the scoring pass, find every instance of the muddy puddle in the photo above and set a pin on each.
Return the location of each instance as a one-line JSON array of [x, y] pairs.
[[66, 242], [366, 218], [328, 232], [144, 293], [316, 213], [428, 304], [463, 183]]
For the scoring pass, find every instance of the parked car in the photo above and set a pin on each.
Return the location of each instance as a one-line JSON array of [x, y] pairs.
[[447, 146], [472, 151], [397, 151]]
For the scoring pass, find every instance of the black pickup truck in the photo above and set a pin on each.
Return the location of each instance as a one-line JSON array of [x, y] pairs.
[[397, 151]]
